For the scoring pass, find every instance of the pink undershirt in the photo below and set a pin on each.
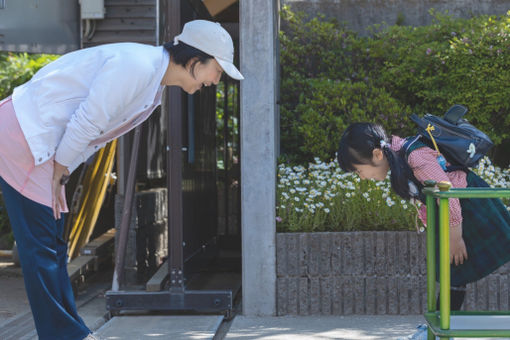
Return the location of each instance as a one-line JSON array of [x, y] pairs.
[[17, 165]]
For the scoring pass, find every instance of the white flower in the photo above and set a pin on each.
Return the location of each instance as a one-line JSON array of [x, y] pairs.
[[326, 210], [296, 199]]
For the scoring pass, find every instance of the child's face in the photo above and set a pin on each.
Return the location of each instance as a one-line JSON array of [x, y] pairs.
[[377, 170]]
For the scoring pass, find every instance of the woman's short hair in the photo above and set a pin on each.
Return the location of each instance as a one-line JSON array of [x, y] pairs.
[[182, 53]]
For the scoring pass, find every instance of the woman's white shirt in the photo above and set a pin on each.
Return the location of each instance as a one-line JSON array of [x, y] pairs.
[[85, 94]]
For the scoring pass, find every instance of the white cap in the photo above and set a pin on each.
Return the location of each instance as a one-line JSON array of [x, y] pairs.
[[211, 38]]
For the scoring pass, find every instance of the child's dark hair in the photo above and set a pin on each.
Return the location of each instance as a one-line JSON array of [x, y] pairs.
[[357, 145], [182, 53]]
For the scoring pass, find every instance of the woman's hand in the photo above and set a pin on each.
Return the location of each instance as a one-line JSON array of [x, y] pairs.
[[57, 200], [458, 252]]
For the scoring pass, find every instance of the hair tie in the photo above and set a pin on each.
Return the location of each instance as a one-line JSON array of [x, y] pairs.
[[383, 144]]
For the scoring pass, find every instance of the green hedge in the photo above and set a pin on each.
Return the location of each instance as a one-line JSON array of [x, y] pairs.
[[6, 237], [18, 68], [332, 105], [332, 77]]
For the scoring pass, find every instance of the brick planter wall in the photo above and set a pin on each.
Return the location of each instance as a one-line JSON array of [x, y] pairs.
[[366, 273]]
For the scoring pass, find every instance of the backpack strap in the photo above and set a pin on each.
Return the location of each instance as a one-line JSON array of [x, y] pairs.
[[411, 144], [416, 142]]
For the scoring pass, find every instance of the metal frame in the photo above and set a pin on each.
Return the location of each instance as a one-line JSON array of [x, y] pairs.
[[177, 297], [174, 165], [207, 301], [439, 322]]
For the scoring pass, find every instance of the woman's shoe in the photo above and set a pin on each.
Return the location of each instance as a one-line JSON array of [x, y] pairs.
[[420, 334]]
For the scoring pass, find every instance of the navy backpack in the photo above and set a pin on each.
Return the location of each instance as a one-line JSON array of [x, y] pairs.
[[462, 144]]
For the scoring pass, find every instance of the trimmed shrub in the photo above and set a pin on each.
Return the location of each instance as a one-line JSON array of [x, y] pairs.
[[325, 114], [18, 68], [331, 77]]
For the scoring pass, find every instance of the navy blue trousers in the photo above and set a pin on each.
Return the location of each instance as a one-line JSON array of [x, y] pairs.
[[43, 257]]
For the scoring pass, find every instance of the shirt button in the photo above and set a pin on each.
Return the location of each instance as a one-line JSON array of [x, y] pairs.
[[146, 106], [124, 119], [48, 154], [40, 159], [101, 132], [96, 147]]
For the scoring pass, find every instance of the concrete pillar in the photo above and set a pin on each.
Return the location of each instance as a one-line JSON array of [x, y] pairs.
[[259, 136]]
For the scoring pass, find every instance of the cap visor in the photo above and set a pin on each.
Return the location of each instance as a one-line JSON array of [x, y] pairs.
[[230, 69]]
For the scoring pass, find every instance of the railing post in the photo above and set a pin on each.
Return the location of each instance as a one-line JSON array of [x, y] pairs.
[[444, 258], [439, 323]]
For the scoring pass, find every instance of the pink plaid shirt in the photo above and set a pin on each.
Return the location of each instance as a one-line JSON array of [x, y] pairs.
[[424, 165]]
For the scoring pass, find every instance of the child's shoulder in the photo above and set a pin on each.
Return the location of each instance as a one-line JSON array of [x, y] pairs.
[[407, 145], [417, 152], [414, 143], [397, 143]]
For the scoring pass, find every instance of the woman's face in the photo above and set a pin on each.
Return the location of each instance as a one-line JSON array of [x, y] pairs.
[[205, 74], [377, 170]]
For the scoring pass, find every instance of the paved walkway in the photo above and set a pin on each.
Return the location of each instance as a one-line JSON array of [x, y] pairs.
[[16, 321], [323, 327]]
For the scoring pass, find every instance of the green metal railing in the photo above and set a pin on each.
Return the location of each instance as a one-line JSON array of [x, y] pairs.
[[439, 323]]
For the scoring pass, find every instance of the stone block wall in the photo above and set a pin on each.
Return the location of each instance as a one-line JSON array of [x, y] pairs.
[[365, 273], [360, 14]]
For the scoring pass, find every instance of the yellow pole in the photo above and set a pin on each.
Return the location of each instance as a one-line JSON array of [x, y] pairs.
[[95, 185], [95, 205]]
